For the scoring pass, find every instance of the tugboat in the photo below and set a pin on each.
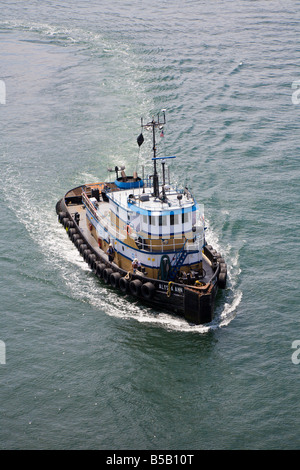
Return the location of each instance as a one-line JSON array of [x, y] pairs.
[[145, 237]]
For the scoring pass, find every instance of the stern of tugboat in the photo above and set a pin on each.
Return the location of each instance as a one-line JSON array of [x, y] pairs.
[[199, 305]]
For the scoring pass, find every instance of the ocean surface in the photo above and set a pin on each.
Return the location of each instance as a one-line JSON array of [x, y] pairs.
[[81, 367]]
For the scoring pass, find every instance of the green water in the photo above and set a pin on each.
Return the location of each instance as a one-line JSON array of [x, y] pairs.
[[85, 369]]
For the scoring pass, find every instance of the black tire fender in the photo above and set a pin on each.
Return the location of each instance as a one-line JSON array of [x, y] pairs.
[[123, 285], [91, 260], [78, 242], [82, 247], [115, 279], [106, 275], [135, 287], [148, 290], [71, 232], [61, 216], [70, 224], [99, 269], [222, 280], [223, 268], [86, 253], [64, 221], [75, 237]]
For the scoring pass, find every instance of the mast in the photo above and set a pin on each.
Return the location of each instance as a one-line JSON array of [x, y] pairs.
[[153, 125]]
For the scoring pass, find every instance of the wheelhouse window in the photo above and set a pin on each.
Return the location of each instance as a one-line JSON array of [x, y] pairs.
[[153, 220], [174, 219], [184, 217], [162, 220]]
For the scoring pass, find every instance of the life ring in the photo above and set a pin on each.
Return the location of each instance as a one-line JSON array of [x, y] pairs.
[[148, 290], [91, 227], [100, 243], [128, 230]]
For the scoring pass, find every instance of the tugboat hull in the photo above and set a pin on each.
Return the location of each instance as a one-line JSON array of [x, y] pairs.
[[194, 303]]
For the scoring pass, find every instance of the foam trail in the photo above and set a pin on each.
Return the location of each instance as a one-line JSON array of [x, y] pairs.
[[229, 310], [233, 295]]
